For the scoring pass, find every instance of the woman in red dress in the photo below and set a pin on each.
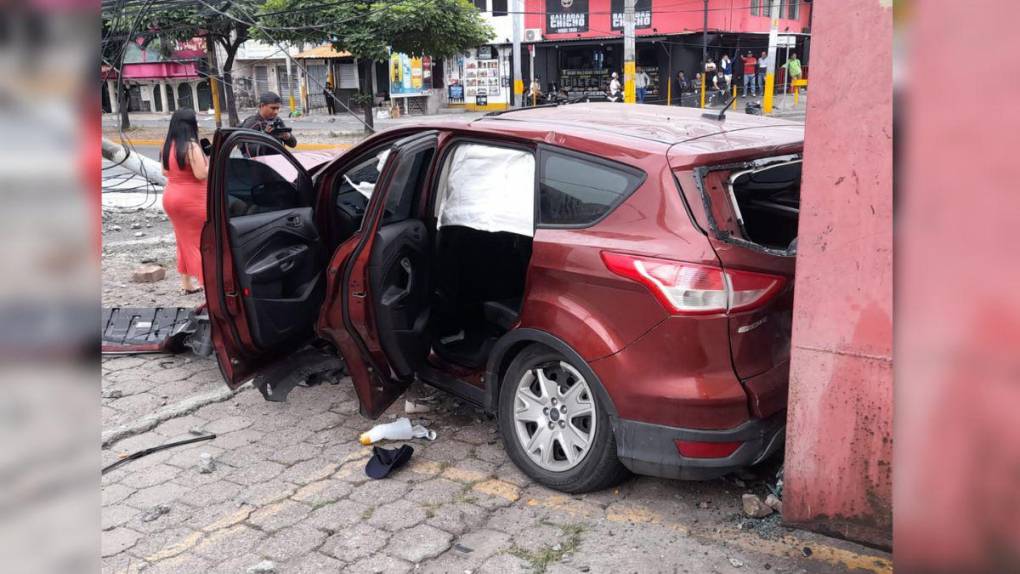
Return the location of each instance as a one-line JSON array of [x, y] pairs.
[[186, 168]]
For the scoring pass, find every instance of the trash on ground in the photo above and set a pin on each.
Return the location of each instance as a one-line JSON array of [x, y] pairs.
[[463, 549], [206, 465], [413, 408], [386, 460], [152, 449], [774, 503], [155, 512], [736, 563], [400, 429], [264, 567], [754, 507]]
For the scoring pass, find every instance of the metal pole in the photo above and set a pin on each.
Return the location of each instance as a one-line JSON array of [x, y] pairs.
[[704, 41], [770, 73], [629, 68], [531, 55], [290, 86], [786, 75], [518, 82], [214, 89]]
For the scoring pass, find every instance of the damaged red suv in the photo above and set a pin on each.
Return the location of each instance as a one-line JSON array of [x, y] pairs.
[[613, 283]]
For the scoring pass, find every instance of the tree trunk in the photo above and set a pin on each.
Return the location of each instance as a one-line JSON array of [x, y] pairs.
[[228, 79], [122, 104], [366, 90]]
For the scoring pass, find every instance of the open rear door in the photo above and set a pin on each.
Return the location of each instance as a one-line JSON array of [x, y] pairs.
[[262, 257], [383, 294]]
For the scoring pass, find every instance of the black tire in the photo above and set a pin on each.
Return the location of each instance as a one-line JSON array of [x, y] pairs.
[[600, 468]]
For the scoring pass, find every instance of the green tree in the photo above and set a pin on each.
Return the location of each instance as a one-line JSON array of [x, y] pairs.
[[225, 23], [371, 30]]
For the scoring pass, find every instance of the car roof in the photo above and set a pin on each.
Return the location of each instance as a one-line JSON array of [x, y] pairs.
[[684, 135]]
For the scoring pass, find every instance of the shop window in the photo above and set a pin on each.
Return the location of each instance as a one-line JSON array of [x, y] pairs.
[[756, 8], [499, 8], [480, 4], [793, 10], [578, 192]]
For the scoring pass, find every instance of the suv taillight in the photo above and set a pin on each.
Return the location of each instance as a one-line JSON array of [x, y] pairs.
[[692, 289]]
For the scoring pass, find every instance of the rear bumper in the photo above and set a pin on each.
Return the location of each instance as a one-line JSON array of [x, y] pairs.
[[649, 449]]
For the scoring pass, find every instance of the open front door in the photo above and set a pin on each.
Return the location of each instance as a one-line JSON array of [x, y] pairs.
[[262, 257], [384, 286]]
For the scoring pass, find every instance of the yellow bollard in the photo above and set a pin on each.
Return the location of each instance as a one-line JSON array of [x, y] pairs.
[[703, 90], [734, 97]]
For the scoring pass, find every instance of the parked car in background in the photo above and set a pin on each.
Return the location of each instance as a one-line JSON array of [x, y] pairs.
[[614, 283]]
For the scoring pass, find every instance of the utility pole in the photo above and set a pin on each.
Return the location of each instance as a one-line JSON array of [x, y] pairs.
[[628, 51], [290, 84], [704, 41], [518, 81], [214, 89], [770, 72]]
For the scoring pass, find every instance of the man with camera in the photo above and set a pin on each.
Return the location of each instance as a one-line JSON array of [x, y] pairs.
[[268, 119]]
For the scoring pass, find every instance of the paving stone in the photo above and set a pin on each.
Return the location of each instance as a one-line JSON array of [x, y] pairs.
[[114, 493], [237, 439], [538, 536], [447, 450], [476, 433], [323, 492], [321, 421], [355, 543], [353, 472], [187, 457], [153, 542], [214, 493], [495, 493], [243, 455], [483, 543], [397, 515], [337, 516], [279, 515], [232, 542], [504, 564], [241, 565], [228, 424], [118, 540], [379, 491], [183, 564], [286, 438], [166, 493], [123, 563], [292, 542], [457, 518], [516, 518], [215, 517], [493, 453], [436, 491], [379, 564], [314, 563], [147, 477], [419, 543], [509, 472], [256, 473], [117, 515], [309, 471], [470, 470], [295, 453], [266, 492]]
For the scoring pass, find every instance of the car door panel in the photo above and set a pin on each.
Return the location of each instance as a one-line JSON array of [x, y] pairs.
[[280, 265]]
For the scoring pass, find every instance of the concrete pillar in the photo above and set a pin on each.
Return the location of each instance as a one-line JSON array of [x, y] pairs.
[[166, 98], [838, 474], [194, 95]]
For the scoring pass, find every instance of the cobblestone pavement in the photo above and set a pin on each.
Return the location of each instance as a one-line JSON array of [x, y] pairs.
[[289, 487]]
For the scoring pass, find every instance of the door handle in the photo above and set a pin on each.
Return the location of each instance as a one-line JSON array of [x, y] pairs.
[[294, 221], [405, 264]]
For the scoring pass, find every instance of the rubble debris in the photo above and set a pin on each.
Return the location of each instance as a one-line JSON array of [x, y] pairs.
[[206, 465], [754, 507], [736, 563], [414, 408], [774, 503], [264, 567], [155, 512], [463, 549], [703, 505], [113, 394], [116, 228], [139, 234], [148, 274]]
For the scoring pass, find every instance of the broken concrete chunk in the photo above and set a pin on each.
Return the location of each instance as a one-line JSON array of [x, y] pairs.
[[774, 503], [754, 507], [413, 408], [116, 228], [264, 567], [736, 563], [139, 234], [206, 465], [148, 274], [136, 225], [113, 394], [703, 505], [155, 512]]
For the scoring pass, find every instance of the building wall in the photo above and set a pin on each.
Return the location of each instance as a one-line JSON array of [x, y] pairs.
[[838, 476], [670, 17]]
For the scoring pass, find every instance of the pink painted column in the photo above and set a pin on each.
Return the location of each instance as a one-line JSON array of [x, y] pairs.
[[838, 476]]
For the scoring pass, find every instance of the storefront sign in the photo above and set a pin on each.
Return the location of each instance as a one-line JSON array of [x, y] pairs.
[[642, 14], [407, 75], [481, 100], [455, 92], [566, 16]]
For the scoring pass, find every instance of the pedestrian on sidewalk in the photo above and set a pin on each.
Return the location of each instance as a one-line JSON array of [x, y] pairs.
[[184, 197], [641, 81], [683, 86], [793, 70], [268, 120], [763, 68], [614, 88], [327, 92], [727, 69], [535, 91], [750, 69]]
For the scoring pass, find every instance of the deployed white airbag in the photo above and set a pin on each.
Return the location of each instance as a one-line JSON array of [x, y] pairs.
[[489, 189]]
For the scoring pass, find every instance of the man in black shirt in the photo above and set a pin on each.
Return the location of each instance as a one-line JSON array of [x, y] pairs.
[[268, 119]]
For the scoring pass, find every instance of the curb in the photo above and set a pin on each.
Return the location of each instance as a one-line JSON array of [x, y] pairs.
[[300, 146], [185, 407]]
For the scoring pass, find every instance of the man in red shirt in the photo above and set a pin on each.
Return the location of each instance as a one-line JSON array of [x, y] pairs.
[[750, 67]]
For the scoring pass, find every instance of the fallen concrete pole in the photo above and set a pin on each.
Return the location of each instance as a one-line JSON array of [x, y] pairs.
[[137, 163]]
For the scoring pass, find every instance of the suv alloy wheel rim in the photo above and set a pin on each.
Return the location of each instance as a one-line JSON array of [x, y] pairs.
[[554, 416]]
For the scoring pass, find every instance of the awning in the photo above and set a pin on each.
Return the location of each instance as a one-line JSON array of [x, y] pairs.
[[321, 52]]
